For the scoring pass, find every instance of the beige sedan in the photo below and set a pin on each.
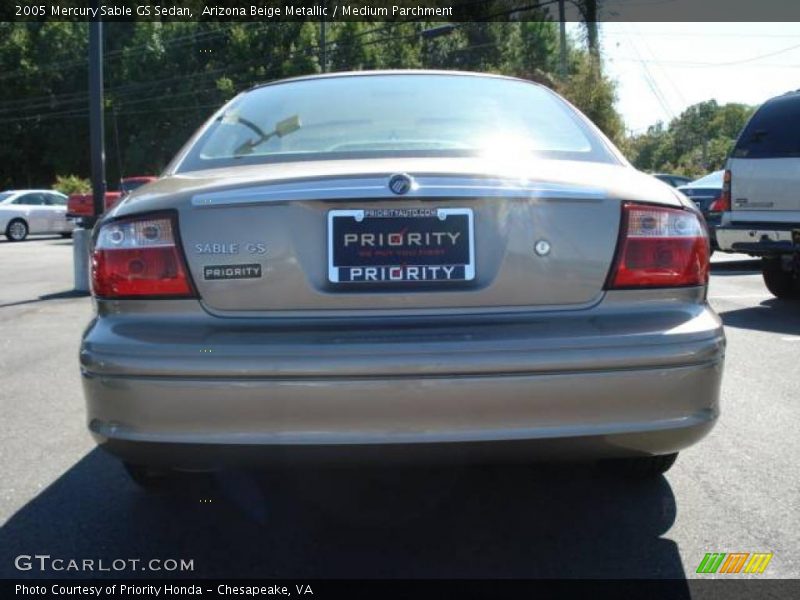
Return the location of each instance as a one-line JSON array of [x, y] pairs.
[[405, 265]]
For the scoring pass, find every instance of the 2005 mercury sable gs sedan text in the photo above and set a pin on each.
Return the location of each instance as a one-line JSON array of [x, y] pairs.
[[400, 264]]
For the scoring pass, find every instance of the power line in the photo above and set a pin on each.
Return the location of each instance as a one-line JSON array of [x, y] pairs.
[[651, 82], [664, 72], [47, 100], [705, 34], [84, 112], [698, 65], [119, 94]]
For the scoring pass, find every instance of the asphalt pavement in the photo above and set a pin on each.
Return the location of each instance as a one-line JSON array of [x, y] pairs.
[[736, 491]]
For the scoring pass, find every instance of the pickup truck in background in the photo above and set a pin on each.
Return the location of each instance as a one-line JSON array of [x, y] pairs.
[[82, 205], [761, 193], [128, 184]]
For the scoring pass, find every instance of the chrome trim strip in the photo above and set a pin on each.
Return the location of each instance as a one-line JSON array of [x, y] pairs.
[[377, 187]]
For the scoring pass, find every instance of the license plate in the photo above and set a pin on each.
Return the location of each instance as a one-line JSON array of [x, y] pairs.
[[401, 245]]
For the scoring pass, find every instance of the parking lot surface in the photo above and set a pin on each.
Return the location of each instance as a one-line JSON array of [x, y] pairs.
[[736, 491]]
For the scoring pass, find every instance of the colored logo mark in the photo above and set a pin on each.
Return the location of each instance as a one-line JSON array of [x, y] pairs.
[[734, 562]]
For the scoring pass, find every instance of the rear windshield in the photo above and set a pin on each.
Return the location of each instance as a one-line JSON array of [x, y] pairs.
[[394, 115], [773, 132], [713, 180], [5, 196]]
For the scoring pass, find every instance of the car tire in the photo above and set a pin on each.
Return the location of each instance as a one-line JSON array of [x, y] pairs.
[[644, 467], [66, 235], [16, 230], [781, 283], [148, 478]]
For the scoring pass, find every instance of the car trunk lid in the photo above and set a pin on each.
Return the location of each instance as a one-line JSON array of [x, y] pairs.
[[258, 240]]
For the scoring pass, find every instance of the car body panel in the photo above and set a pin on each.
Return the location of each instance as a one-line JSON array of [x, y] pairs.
[[765, 182], [514, 205], [155, 371], [765, 186], [82, 205], [619, 181], [704, 192], [450, 343], [759, 238], [579, 416], [535, 350], [40, 218], [158, 377]]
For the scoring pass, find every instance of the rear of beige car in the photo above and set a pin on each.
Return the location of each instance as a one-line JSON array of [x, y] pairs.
[[259, 313]]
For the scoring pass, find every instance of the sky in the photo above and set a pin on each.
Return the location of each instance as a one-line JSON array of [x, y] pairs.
[[662, 68]]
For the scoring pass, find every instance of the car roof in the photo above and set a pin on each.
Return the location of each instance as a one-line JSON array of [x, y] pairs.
[[368, 73], [792, 96], [708, 180], [16, 192]]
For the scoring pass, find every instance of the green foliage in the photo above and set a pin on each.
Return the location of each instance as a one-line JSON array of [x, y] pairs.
[[72, 184], [693, 144], [594, 94], [164, 79]]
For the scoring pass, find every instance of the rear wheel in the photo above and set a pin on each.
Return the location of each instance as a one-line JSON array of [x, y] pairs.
[[644, 467], [17, 230], [780, 282], [148, 478]]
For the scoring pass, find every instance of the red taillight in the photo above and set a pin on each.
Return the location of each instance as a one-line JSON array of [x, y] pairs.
[[723, 202], [139, 258], [660, 247]]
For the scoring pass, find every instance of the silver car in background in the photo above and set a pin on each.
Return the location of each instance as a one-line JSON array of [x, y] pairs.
[[23, 212], [400, 265]]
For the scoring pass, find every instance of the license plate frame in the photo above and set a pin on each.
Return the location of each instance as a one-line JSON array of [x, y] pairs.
[[420, 257]]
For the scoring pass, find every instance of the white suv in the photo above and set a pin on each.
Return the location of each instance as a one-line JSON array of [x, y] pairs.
[[762, 194]]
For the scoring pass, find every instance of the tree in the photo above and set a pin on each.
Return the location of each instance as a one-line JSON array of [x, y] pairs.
[[594, 94], [72, 184], [163, 79], [696, 142], [589, 10]]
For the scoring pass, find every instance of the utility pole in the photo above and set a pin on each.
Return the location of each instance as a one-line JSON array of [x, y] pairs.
[[96, 130], [323, 58], [562, 54], [81, 236], [119, 151]]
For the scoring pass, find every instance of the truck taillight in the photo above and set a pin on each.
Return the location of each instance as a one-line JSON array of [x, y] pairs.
[[138, 258], [723, 202], [659, 247]]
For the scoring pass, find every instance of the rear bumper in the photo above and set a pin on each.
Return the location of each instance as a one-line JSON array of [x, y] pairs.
[[594, 386], [760, 239], [204, 424]]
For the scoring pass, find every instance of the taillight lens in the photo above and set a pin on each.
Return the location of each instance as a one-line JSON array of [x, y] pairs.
[[718, 205], [660, 247], [723, 202], [137, 258]]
